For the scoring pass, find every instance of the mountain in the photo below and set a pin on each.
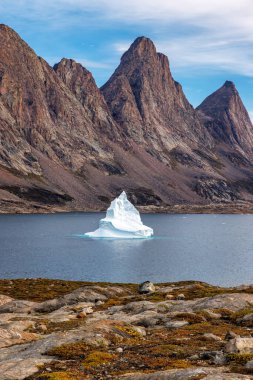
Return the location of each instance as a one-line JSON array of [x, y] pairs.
[[227, 119], [50, 141], [65, 144], [151, 107]]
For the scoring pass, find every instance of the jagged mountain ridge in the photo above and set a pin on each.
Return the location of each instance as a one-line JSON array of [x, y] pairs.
[[227, 119], [150, 105], [64, 144]]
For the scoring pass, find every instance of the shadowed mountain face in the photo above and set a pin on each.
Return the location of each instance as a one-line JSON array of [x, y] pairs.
[[226, 118], [64, 144]]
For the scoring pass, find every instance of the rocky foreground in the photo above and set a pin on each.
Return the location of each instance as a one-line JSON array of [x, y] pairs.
[[58, 330]]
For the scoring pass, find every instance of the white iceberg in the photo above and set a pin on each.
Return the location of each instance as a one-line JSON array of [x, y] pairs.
[[122, 221]]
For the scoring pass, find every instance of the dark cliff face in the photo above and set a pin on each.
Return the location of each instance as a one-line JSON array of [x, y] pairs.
[[82, 84], [63, 141], [226, 118], [149, 105], [43, 112]]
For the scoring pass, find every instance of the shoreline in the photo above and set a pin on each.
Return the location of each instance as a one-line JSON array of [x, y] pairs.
[[212, 208]]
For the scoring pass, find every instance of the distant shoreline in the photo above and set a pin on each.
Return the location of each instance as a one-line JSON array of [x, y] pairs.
[[219, 208]]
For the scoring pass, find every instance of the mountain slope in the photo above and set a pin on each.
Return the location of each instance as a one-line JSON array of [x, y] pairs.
[[66, 145], [150, 106], [227, 119]]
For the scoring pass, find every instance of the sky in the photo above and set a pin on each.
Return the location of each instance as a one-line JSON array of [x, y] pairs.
[[207, 41]]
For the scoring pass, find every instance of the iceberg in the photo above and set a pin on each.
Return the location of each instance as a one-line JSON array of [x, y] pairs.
[[122, 221]]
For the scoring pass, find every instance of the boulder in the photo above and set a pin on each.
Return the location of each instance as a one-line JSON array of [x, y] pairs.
[[176, 324], [230, 335], [146, 287], [249, 364], [17, 306], [247, 320], [20, 368], [181, 296], [240, 345], [211, 337], [4, 299], [84, 294]]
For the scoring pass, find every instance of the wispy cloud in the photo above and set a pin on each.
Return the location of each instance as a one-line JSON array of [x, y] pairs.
[[196, 34], [87, 63]]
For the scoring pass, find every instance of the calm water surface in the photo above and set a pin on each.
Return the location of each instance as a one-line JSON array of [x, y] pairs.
[[214, 248]]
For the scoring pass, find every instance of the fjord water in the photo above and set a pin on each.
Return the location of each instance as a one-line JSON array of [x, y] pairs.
[[217, 249]]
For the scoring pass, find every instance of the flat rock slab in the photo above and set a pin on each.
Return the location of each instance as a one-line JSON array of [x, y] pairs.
[[4, 299], [188, 374], [240, 345], [18, 369]]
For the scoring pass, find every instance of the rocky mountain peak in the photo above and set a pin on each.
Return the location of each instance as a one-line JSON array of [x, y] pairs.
[[73, 74], [6, 29], [226, 117], [229, 84], [141, 48], [82, 84], [148, 104]]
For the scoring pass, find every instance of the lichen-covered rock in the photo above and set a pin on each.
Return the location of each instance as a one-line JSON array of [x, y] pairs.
[[240, 345]]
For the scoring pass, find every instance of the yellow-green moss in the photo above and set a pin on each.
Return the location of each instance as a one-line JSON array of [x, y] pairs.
[[190, 317], [241, 314], [241, 359], [70, 351], [55, 376], [129, 330], [97, 358], [42, 289]]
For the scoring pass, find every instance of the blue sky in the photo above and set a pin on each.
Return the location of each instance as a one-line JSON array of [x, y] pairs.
[[207, 42]]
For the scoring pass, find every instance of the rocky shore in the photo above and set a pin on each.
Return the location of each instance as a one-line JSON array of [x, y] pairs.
[[61, 330], [212, 208]]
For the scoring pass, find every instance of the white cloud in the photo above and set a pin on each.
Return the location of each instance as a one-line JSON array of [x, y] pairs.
[[92, 64], [121, 47], [87, 63], [215, 34]]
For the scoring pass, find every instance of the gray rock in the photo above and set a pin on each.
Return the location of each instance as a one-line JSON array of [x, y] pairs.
[[219, 359], [230, 335], [85, 294], [166, 289], [176, 324], [247, 320], [178, 374], [146, 287], [249, 364], [4, 299], [19, 369], [148, 322], [233, 302], [209, 336], [213, 315], [17, 306], [228, 376], [240, 345], [181, 296]]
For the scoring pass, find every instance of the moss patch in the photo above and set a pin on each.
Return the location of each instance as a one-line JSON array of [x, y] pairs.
[[41, 289], [71, 351], [98, 358], [239, 358], [56, 376], [129, 331]]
